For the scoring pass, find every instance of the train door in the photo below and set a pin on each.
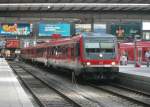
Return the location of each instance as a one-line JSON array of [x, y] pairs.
[[139, 56]]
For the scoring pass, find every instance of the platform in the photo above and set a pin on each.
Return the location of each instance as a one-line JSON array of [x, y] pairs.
[[135, 77], [143, 70], [11, 92]]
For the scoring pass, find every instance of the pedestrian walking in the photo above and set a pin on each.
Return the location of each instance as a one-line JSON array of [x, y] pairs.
[[147, 57]]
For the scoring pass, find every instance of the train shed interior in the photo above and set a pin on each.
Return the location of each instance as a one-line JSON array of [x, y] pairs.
[[74, 53]]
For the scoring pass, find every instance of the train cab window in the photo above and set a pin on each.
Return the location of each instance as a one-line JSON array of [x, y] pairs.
[[93, 50]]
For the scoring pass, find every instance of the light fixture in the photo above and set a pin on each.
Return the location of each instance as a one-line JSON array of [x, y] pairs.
[[88, 63], [100, 55], [48, 7], [113, 63], [74, 4]]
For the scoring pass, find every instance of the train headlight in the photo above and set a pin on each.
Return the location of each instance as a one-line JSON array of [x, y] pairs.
[[113, 63], [100, 55], [88, 63]]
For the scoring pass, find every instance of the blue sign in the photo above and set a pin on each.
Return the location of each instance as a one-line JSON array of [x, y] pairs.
[[14, 29], [49, 29]]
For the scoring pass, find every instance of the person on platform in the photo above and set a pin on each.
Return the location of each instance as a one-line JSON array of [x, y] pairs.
[[147, 57], [124, 59]]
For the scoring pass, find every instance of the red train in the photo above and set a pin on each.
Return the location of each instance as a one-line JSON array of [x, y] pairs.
[[129, 49], [90, 57]]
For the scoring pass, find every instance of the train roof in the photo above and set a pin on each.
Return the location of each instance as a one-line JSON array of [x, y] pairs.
[[138, 44], [71, 39], [56, 41], [99, 35]]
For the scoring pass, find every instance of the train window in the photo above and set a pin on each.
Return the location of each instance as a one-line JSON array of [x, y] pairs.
[[64, 51], [51, 50], [59, 51], [40, 51], [77, 49], [109, 50], [72, 52]]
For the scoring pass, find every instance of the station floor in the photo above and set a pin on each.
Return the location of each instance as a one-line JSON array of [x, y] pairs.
[[143, 70], [11, 92]]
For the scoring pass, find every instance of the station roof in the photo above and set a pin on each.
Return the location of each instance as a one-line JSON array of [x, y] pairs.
[[74, 5]]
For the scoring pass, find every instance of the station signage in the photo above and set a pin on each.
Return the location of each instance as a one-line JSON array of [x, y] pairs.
[[62, 29], [15, 29]]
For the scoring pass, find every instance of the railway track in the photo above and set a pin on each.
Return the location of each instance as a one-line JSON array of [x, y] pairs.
[[83, 95], [50, 95], [45, 96], [126, 93]]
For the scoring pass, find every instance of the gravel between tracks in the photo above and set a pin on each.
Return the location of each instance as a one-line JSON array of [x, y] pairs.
[[80, 93]]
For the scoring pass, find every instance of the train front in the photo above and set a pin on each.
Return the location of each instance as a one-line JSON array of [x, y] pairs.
[[99, 57]]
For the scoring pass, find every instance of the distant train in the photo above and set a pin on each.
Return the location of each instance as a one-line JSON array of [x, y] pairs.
[[130, 49], [92, 57]]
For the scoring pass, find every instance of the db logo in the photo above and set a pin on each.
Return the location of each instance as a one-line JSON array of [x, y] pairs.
[[101, 63]]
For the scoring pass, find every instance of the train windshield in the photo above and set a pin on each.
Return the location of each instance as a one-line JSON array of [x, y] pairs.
[[100, 49]]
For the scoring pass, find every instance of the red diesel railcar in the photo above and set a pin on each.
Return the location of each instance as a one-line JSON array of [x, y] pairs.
[[92, 56], [133, 50]]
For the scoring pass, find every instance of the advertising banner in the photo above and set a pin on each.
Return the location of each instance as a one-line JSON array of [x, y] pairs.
[[126, 30], [14, 29], [12, 43], [83, 28], [59, 28], [99, 28], [145, 25]]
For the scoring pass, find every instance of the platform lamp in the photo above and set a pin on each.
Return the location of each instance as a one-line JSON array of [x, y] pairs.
[[135, 53]]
